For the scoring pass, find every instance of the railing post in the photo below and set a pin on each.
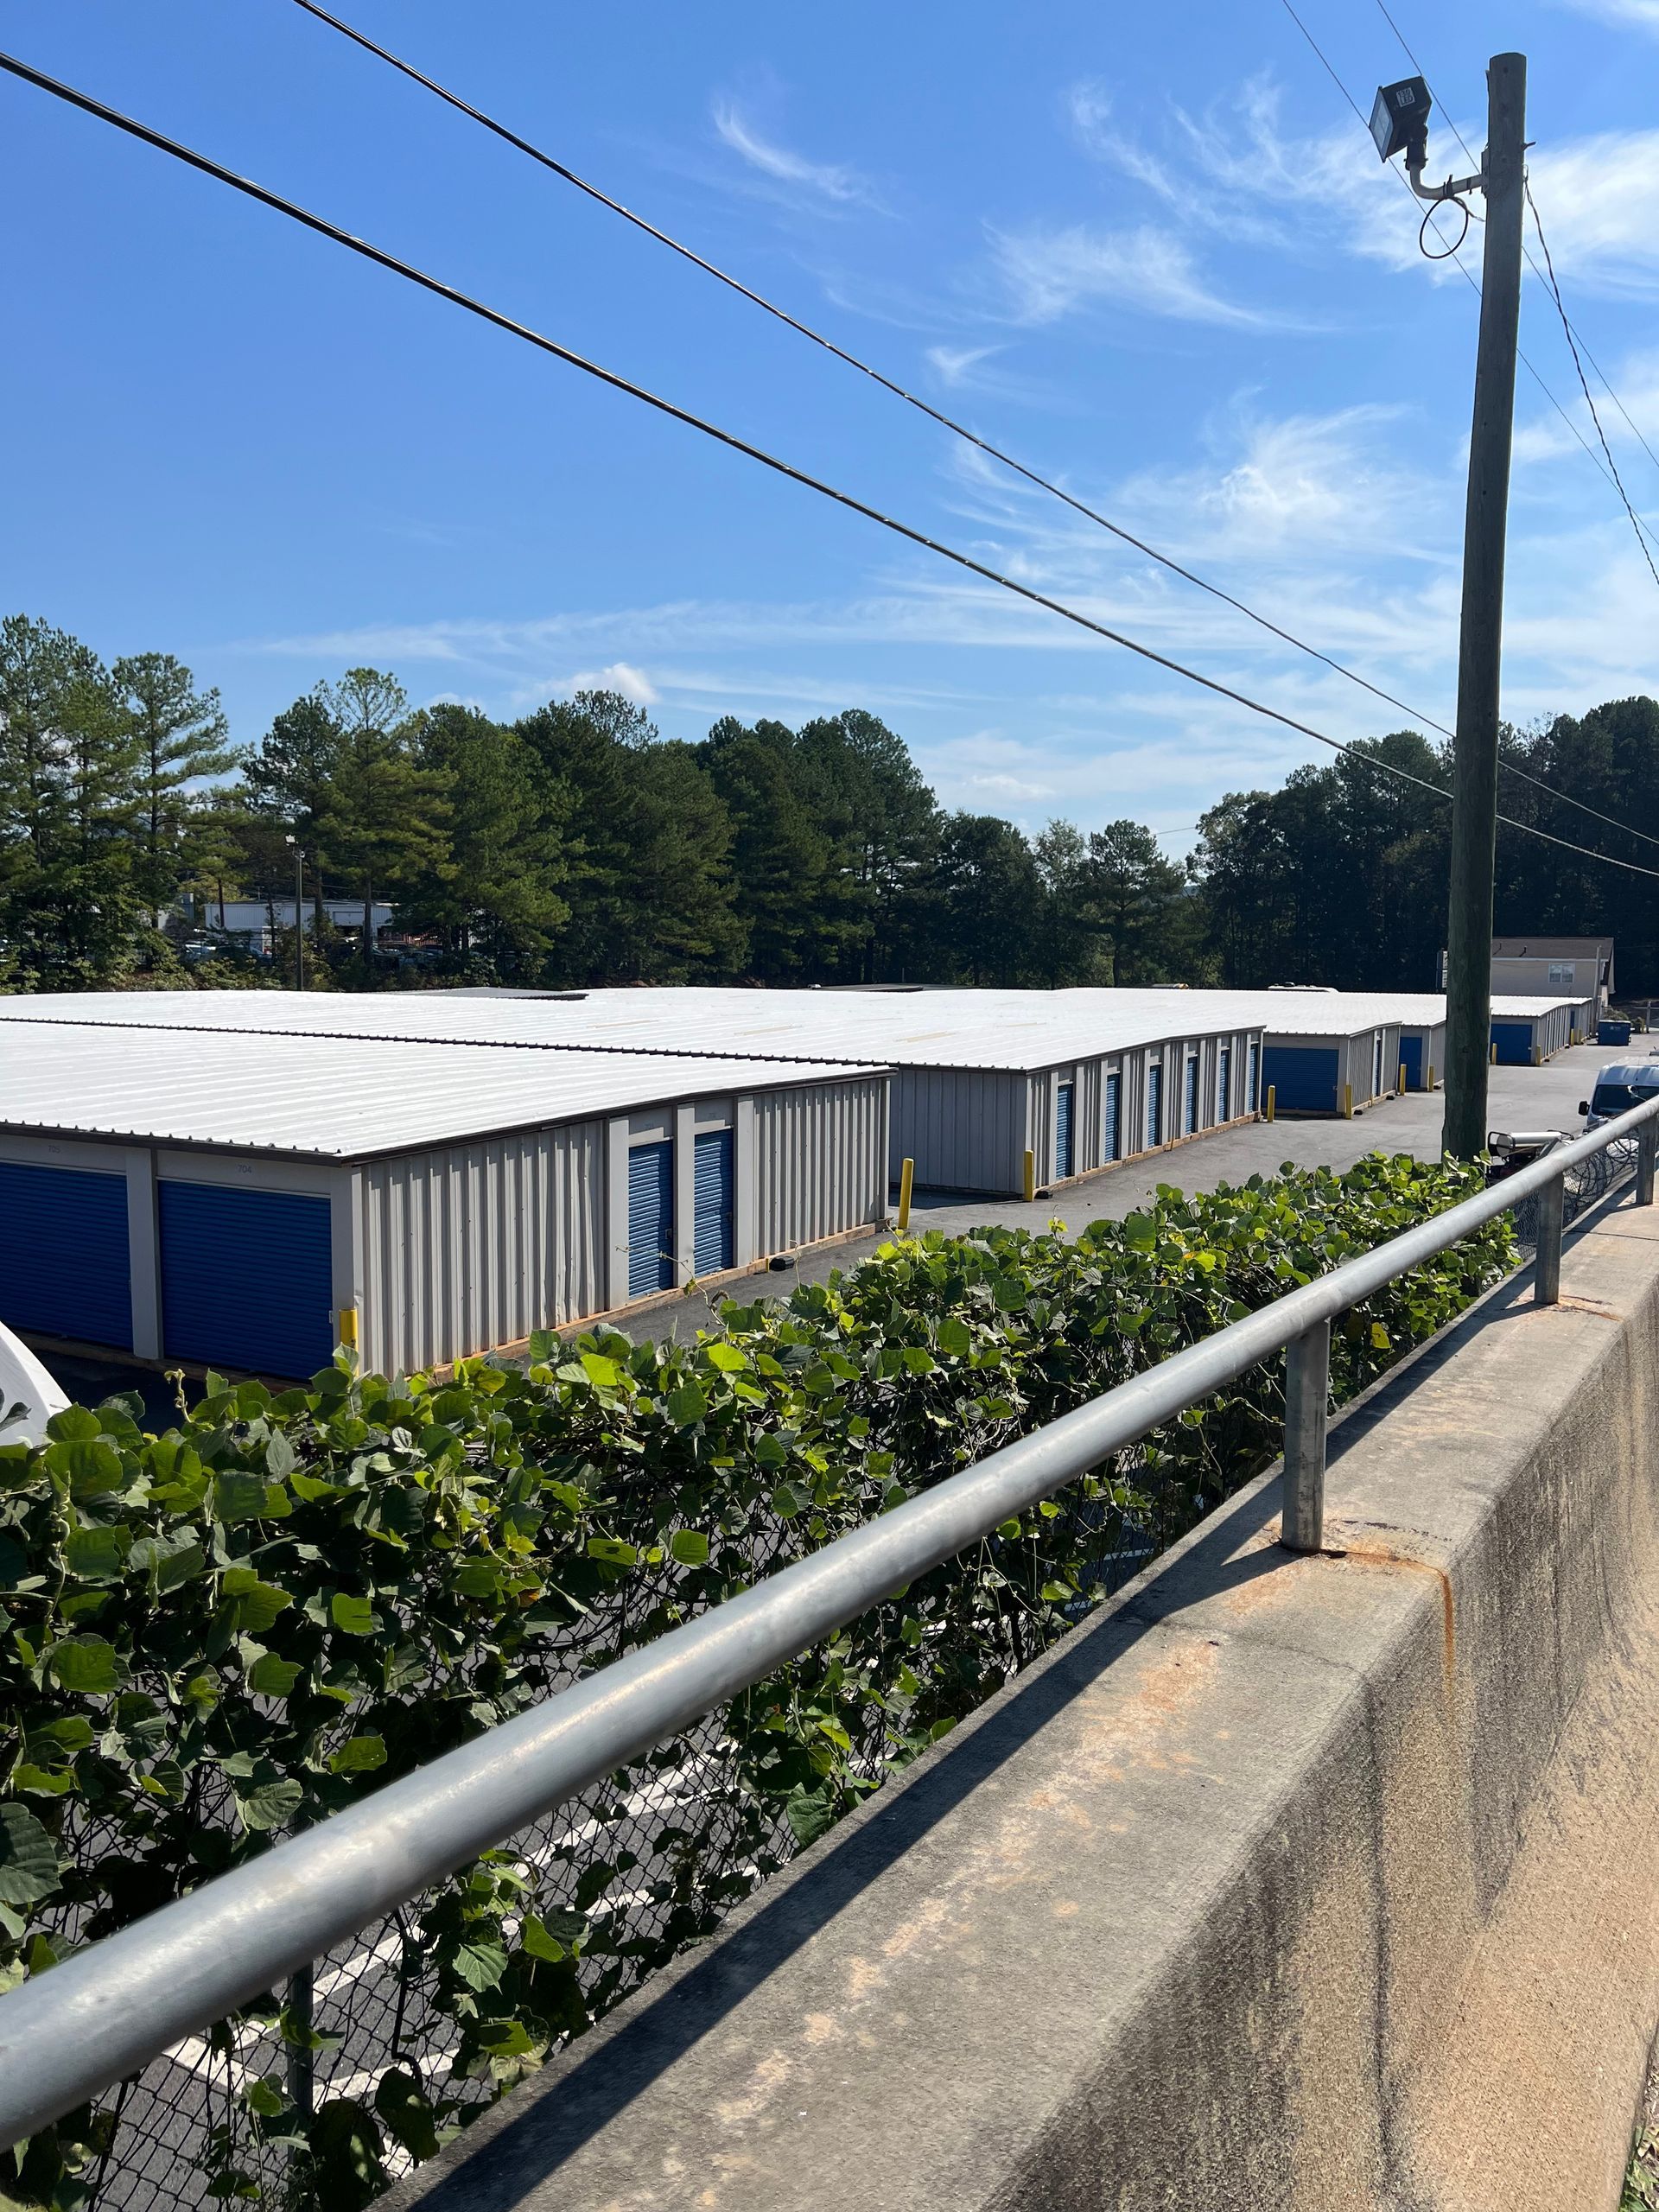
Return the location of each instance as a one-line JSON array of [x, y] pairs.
[[1646, 1138], [1307, 1392], [1552, 1214], [301, 2059]]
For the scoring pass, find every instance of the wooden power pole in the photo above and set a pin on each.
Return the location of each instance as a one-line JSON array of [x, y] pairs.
[[1474, 808]]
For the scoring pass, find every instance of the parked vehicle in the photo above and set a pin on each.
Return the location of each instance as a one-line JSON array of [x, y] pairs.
[[1620, 1085]]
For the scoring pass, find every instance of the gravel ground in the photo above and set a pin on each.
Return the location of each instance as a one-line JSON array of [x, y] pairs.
[[1520, 1098]]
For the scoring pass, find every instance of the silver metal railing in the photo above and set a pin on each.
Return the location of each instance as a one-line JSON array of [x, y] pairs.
[[108, 2010]]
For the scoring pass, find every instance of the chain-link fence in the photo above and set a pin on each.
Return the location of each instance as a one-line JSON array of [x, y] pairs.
[[647, 1862]]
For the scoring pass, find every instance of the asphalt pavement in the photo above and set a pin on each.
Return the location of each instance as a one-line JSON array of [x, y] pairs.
[[1519, 1098]]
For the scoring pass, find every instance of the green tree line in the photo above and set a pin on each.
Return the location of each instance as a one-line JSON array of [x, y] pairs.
[[575, 845]]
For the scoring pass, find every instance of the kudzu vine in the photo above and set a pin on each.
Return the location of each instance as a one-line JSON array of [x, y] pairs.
[[211, 1637]]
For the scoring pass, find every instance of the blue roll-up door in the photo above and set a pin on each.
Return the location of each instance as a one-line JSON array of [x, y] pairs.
[[1063, 1102], [712, 1238], [1191, 1100], [64, 1265], [1225, 1085], [1156, 1103], [1514, 1043], [1253, 1104], [1114, 1134], [247, 1279], [1303, 1077], [651, 1218], [1411, 1058]]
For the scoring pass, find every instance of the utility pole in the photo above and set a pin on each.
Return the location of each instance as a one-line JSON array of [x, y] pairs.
[[298, 914], [1474, 805]]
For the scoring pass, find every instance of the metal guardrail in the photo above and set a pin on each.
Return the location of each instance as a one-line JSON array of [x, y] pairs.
[[109, 2010]]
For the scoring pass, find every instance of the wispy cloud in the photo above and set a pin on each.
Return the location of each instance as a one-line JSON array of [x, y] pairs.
[[831, 181], [1638, 15], [1048, 272], [955, 365]]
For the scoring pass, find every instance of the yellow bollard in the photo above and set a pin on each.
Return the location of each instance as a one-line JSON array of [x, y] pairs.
[[1347, 1101], [348, 1327], [1031, 1176], [907, 1177], [1429, 1085], [1494, 1053], [1402, 1092], [1273, 1099]]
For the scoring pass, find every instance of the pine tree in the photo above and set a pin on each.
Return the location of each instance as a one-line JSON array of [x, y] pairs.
[[182, 739]]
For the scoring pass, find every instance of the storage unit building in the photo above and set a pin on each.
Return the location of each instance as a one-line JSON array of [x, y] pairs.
[[1330, 1053], [224, 1200], [1527, 1031], [978, 1078]]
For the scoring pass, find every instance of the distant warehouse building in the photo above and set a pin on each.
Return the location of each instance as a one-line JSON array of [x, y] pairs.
[[979, 1079], [244, 1201]]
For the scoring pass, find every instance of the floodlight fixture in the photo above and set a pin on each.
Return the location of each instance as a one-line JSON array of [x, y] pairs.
[[1400, 116], [1400, 125]]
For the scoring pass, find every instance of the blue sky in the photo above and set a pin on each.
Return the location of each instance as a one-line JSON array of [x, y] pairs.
[[1149, 250]]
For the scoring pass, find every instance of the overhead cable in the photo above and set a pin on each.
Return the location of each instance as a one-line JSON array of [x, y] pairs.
[[853, 360], [1574, 336], [1467, 276], [652, 229], [617, 382]]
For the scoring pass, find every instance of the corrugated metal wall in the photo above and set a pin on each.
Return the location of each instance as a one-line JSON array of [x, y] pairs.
[[1039, 1132], [1087, 1121], [819, 1162], [964, 1127], [479, 1244]]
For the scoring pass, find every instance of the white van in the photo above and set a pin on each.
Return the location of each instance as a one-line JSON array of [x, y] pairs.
[[1620, 1085]]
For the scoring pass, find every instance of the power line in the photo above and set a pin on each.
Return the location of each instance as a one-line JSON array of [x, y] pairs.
[[853, 360], [617, 382], [1467, 276], [1575, 337], [958, 429], [1572, 348]]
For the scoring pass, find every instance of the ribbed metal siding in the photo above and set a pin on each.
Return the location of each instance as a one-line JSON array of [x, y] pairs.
[[1065, 1097], [712, 1206], [651, 1218], [64, 1263], [1253, 1102], [246, 1278], [964, 1127], [1086, 1117], [476, 1245], [819, 1162]]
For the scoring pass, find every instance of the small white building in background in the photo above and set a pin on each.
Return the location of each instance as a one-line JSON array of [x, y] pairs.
[[1554, 967], [251, 921]]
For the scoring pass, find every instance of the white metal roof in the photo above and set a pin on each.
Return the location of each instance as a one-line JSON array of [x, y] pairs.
[[998, 1029], [333, 1097], [1013, 1030]]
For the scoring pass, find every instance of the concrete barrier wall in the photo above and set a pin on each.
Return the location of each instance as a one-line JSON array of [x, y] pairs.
[[1298, 1885]]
